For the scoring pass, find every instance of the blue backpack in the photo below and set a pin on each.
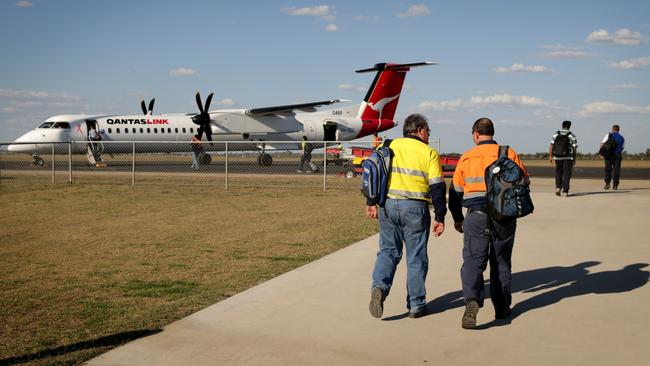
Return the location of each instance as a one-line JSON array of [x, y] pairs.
[[507, 189], [376, 171]]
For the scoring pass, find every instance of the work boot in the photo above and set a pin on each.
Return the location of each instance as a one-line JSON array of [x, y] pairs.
[[606, 186], [376, 302], [469, 317], [557, 192], [565, 194], [615, 187], [418, 314]]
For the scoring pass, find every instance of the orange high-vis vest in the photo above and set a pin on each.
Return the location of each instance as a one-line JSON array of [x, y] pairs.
[[469, 176]]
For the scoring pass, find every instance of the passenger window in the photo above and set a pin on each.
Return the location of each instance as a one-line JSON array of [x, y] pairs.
[[191, 130], [126, 130], [110, 130], [117, 130], [155, 130], [141, 130], [184, 130], [176, 130], [148, 130], [134, 131], [162, 130], [169, 130]]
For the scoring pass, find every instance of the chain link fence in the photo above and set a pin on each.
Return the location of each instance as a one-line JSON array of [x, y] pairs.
[[229, 165]]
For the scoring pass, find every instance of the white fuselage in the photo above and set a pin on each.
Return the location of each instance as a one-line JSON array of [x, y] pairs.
[[339, 124]]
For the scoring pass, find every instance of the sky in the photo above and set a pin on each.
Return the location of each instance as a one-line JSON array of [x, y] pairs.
[[527, 65]]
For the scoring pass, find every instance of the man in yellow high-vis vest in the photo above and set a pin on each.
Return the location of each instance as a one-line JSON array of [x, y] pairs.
[[415, 181]]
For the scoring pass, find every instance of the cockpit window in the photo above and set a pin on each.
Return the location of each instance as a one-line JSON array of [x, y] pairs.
[[65, 125], [46, 125]]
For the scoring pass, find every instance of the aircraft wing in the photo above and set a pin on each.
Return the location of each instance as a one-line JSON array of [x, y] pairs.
[[304, 107]]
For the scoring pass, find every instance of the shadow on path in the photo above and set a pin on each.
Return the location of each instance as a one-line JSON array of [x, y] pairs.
[[108, 341], [562, 282], [580, 194]]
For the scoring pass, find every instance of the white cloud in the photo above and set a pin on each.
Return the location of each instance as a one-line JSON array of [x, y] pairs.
[[331, 28], [24, 4], [635, 63], [182, 71], [536, 69], [612, 108], [316, 11], [361, 18], [559, 51], [621, 87], [487, 101], [27, 95], [226, 102], [353, 88], [624, 37], [414, 11]]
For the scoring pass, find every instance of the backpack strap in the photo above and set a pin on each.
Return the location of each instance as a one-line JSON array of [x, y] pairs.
[[503, 151], [387, 142]]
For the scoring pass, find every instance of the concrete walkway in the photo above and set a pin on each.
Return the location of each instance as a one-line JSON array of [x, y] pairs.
[[580, 273]]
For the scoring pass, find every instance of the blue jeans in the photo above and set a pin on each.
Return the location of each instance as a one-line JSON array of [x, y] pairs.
[[403, 223]]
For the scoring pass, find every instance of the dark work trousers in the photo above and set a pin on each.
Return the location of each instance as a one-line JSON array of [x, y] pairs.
[[483, 241], [613, 169], [563, 170], [305, 159]]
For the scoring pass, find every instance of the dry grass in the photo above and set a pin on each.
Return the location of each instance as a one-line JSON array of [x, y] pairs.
[[81, 266]]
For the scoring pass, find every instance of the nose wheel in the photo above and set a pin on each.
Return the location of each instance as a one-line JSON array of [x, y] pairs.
[[37, 161], [265, 160]]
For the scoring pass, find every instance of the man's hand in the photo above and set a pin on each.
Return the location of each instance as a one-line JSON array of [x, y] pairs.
[[550, 160], [458, 226], [438, 228], [371, 212]]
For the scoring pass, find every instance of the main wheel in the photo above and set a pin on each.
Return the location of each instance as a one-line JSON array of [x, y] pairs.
[[265, 160], [350, 174]]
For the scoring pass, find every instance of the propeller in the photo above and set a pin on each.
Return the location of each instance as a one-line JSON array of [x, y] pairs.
[[203, 118], [144, 109]]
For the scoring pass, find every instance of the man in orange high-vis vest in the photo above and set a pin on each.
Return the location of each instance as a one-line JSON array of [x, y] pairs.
[[484, 239]]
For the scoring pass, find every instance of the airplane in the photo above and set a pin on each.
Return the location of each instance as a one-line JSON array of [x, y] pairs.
[[277, 124]]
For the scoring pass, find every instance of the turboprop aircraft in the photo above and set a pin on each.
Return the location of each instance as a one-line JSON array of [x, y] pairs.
[[277, 124]]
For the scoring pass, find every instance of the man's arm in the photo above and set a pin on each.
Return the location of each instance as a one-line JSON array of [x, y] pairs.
[[550, 152]]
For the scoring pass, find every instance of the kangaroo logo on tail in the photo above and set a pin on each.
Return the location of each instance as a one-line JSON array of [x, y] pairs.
[[378, 108]]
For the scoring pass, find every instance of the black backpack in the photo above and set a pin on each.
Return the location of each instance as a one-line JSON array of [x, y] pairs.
[[507, 189], [608, 148], [561, 145]]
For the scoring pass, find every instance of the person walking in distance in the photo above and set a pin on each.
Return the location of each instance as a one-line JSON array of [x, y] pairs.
[[562, 151], [484, 239], [613, 157], [415, 181]]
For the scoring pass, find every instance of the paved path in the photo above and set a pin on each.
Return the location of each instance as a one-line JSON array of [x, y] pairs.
[[580, 292]]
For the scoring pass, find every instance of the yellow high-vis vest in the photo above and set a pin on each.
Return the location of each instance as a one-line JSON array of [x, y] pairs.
[[415, 166]]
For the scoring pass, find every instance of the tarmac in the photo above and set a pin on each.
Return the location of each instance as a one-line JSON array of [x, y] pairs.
[[580, 297]]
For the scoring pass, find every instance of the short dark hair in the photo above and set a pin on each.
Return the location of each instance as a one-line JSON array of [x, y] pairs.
[[484, 127], [413, 123], [566, 124], [616, 128]]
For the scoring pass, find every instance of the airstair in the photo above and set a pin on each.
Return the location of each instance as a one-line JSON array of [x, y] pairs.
[[94, 153]]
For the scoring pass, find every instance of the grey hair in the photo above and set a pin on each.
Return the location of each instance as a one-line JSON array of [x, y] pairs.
[[413, 123]]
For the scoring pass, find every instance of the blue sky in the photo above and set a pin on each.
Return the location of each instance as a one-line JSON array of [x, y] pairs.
[[527, 65]]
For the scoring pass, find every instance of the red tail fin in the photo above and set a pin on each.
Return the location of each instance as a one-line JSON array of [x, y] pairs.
[[379, 105]]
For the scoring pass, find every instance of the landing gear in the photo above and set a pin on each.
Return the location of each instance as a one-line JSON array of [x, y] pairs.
[[37, 161], [265, 159], [204, 158]]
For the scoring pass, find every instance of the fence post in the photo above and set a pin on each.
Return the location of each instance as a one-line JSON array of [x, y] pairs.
[[133, 166], [324, 166], [53, 162], [70, 162], [226, 165]]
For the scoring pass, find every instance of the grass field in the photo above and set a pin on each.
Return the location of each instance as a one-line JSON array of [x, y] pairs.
[[84, 268]]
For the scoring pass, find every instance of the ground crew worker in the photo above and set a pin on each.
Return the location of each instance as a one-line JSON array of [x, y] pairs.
[[566, 160], [376, 142], [483, 238], [307, 148], [415, 181]]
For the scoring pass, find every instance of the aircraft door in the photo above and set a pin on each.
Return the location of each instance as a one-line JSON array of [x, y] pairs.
[[330, 131]]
